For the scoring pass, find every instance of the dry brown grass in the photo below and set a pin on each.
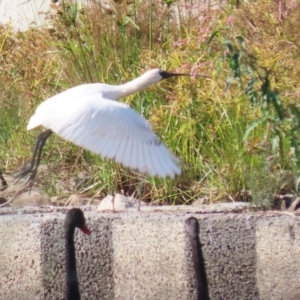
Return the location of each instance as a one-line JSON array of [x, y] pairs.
[[202, 121]]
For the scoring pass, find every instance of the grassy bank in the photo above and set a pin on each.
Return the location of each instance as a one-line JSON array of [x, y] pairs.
[[236, 133]]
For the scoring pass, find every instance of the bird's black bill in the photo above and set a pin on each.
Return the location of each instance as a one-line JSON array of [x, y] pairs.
[[166, 74]]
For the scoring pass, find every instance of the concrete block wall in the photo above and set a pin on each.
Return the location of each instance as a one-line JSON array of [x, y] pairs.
[[147, 255]]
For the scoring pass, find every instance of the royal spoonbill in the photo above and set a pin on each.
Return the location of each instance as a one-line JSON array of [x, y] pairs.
[[90, 116]]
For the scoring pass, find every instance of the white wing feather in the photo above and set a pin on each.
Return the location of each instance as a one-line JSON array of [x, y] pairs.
[[109, 128]]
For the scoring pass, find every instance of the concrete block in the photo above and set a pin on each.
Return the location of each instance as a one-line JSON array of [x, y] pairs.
[[278, 256], [147, 255]]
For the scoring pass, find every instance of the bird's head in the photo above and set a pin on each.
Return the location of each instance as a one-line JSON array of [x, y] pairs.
[[75, 218], [155, 75], [142, 82]]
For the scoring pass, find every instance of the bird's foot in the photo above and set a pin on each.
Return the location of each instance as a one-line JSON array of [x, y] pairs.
[[27, 170], [26, 185]]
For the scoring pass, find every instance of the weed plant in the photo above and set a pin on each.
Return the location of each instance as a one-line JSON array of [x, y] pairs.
[[237, 133]]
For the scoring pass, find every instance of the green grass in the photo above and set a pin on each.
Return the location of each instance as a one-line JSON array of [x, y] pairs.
[[230, 149]]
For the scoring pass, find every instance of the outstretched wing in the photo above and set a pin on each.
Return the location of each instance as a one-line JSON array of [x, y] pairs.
[[111, 129]]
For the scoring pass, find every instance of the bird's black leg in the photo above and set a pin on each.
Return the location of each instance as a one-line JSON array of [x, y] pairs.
[[32, 167]]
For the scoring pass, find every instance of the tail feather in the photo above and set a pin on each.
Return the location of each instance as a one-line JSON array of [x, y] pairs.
[[33, 122]]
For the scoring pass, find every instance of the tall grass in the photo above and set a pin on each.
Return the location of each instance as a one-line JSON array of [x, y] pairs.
[[228, 151]]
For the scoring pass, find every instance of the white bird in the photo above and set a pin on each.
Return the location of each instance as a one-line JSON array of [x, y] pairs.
[[90, 116]]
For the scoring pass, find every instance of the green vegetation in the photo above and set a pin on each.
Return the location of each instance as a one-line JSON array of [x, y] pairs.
[[236, 133]]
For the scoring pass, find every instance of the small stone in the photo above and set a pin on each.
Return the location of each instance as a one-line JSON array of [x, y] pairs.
[[121, 203], [201, 201], [77, 200], [2, 200]]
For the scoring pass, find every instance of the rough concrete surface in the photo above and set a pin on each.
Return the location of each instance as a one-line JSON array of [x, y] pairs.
[[278, 257], [147, 255]]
